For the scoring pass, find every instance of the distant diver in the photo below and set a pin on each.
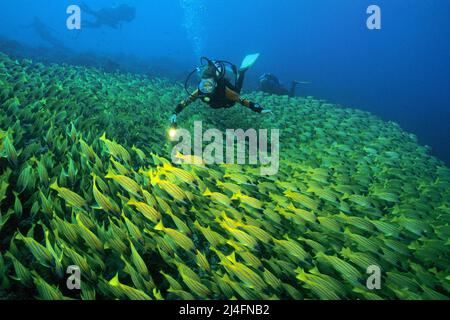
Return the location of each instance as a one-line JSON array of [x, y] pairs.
[[270, 84], [112, 17], [220, 86], [45, 33]]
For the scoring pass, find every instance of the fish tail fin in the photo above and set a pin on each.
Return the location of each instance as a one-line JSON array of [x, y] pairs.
[[301, 275], [207, 192], [299, 270], [290, 206], [115, 281], [197, 225], [232, 257], [54, 185], [159, 226], [132, 201], [19, 236], [110, 174], [345, 251]]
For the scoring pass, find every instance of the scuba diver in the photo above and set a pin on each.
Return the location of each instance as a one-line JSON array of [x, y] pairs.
[[270, 84], [220, 86], [45, 33], [111, 17]]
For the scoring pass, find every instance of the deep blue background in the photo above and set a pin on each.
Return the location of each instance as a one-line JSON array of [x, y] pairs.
[[401, 73]]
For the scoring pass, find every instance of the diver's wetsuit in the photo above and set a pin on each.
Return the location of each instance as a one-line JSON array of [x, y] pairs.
[[225, 95]]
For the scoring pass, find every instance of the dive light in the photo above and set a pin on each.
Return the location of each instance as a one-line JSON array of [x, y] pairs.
[[173, 131]]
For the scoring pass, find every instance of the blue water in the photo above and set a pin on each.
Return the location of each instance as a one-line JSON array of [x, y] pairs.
[[401, 72]]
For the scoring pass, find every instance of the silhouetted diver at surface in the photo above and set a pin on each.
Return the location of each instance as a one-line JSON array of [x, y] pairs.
[[112, 17]]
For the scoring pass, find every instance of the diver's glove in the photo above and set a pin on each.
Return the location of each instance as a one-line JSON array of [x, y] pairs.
[[258, 108], [173, 119]]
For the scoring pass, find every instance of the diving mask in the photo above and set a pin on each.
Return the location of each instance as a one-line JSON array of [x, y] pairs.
[[207, 86]]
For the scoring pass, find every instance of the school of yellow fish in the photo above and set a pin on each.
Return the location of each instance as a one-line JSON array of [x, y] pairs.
[[86, 179]]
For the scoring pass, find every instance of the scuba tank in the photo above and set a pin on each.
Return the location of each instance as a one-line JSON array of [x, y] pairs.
[[222, 69]]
